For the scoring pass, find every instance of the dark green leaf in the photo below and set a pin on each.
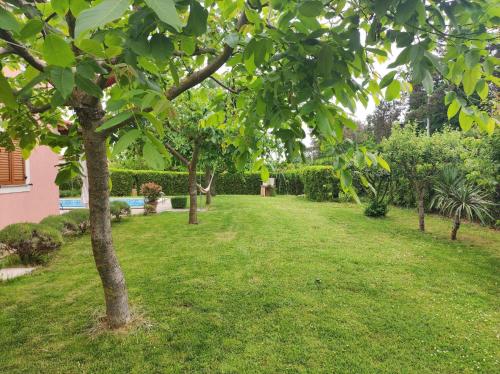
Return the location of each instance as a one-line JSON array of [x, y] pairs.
[[63, 80], [405, 10], [197, 21], [387, 79], [32, 27], [8, 21], [57, 52], [99, 15], [6, 93], [310, 8], [165, 10], [88, 86], [116, 120], [161, 47]]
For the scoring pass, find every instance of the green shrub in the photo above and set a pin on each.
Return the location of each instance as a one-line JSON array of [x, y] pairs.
[[376, 209], [179, 202], [119, 208], [32, 242], [81, 217], [320, 183], [63, 223]]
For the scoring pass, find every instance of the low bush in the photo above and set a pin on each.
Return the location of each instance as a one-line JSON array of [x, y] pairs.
[[81, 218], [376, 209], [149, 209], [63, 223], [32, 242], [179, 202], [119, 209]]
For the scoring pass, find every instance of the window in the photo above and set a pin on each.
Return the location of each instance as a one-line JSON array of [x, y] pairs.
[[12, 168]]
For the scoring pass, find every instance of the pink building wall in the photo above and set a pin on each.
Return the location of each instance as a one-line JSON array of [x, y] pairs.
[[41, 200]]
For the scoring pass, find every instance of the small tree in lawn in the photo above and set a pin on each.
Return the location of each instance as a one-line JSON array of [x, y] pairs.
[[412, 154], [457, 198]]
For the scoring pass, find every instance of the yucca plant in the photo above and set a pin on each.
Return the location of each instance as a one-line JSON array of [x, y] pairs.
[[457, 198]]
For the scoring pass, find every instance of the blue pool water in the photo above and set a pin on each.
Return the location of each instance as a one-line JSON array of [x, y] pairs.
[[77, 203]]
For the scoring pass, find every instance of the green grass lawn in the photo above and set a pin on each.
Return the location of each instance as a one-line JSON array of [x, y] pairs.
[[276, 285]]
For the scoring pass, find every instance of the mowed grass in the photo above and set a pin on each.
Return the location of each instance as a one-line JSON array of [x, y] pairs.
[[266, 285]]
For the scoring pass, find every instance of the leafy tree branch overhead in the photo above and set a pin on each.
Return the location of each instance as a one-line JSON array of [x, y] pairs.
[[119, 64]]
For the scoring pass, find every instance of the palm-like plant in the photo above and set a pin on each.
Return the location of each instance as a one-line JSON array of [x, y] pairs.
[[457, 198]]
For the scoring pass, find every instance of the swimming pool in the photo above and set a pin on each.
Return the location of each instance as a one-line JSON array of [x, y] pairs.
[[134, 202]]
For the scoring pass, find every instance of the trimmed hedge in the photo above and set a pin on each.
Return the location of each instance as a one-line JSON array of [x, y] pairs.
[[318, 183], [179, 202]]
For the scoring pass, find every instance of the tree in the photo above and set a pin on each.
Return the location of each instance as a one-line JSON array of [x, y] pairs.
[[457, 198], [413, 156], [108, 65], [383, 118], [197, 128]]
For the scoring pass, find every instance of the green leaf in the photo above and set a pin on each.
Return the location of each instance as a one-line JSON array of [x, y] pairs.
[[63, 80], [405, 10], [380, 7], [393, 90], [8, 21], [482, 89], [61, 7], [387, 79], [155, 122], [428, 82], [116, 120], [57, 52], [345, 179], [472, 58], [125, 141], [161, 47], [78, 6], [264, 173], [165, 10], [32, 27], [453, 108], [310, 8], [383, 163], [470, 79], [188, 45], [402, 58], [449, 97], [92, 46], [99, 15], [88, 86], [32, 83], [152, 157], [465, 120], [6, 94], [197, 21]]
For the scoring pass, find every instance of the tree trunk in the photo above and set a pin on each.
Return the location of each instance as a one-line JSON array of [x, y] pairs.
[[421, 213], [112, 278], [208, 177], [193, 202], [193, 188], [456, 226]]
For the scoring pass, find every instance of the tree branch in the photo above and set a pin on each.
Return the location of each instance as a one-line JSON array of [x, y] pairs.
[[230, 89], [198, 51], [21, 51], [199, 76], [176, 154]]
